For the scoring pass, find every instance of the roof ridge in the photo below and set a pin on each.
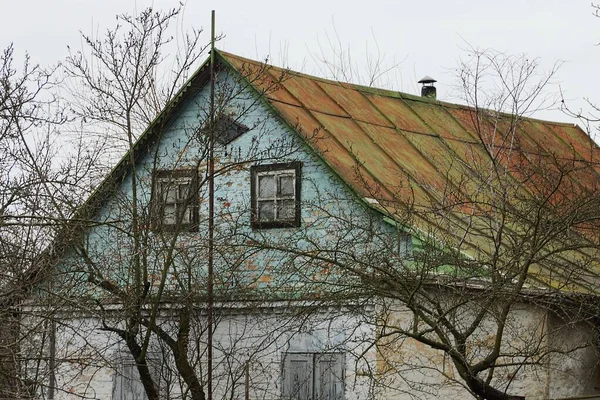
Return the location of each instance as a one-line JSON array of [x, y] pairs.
[[386, 92]]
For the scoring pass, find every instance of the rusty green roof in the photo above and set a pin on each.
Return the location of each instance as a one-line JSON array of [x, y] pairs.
[[398, 150]]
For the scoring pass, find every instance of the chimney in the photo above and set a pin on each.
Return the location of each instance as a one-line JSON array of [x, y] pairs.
[[428, 90]]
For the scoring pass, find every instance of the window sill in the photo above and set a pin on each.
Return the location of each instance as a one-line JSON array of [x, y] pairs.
[[275, 224]]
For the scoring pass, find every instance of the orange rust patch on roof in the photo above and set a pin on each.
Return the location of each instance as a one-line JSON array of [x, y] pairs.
[[355, 104], [404, 149], [399, 114], [392, 138]]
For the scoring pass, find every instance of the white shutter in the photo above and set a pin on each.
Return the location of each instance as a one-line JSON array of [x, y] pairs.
[[126, 383], [329, 376], [298, 376]]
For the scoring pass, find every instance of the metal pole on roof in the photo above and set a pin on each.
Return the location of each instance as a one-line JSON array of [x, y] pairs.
[[211, 207]]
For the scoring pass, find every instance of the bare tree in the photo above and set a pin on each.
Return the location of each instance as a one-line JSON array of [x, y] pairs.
[[334, 60], [131, 261], [119, 88], [20, 209], [588, 116], [38, 191], [512, 227]]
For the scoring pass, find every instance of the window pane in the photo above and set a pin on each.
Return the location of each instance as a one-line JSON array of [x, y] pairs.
[[169, 214], [286, 186], [266, 186], [184, 190], [168, 192], [174, 198], [266, 210], [187, 215], [286, 210], [405, 248]]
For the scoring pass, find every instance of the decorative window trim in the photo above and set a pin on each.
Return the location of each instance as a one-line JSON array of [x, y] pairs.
[[172, 177], [275, 170]]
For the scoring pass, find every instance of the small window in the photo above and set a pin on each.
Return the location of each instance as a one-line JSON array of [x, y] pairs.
[[405, 246], [275, 192], [228, 129], [175, 200], [313, 376]]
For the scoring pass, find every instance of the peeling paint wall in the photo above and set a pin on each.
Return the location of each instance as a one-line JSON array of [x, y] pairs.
[[258, 336], [564, 364], [254, 340]]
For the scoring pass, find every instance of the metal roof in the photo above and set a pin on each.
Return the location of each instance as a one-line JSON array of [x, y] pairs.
[[398, 150]]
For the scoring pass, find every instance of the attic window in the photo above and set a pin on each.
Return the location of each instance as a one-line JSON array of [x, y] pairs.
[[227, 129], [175, 200], [275, 192]]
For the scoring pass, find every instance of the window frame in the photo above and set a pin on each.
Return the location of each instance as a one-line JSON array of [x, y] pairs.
[[158, 204], [258, 170]]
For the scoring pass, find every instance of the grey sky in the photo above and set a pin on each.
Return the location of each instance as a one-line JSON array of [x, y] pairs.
[[426, 37]]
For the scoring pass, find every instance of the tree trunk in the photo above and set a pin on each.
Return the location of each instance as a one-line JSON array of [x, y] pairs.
[[485, 391], [142, 367]]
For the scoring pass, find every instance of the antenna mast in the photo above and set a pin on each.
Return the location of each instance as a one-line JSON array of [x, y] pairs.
[[211, 207]]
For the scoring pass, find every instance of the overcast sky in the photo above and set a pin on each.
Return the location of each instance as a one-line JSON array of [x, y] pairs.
[[422, 37]]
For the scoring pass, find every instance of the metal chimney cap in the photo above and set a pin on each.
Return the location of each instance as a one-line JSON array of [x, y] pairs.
[[427, 79]]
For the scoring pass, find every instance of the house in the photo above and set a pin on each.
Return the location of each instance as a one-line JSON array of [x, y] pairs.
[[366, 243]]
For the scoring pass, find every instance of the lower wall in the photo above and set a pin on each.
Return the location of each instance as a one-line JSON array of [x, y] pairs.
[[249, 349], [250, 345]]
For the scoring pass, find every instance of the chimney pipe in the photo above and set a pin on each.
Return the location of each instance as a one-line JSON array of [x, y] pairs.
[[428, 90]]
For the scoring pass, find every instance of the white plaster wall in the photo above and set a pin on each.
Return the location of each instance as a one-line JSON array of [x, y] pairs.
[[258, 337], [252, 340], [573, 370]]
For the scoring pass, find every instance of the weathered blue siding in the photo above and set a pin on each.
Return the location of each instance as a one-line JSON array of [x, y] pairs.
[[244, 257]]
